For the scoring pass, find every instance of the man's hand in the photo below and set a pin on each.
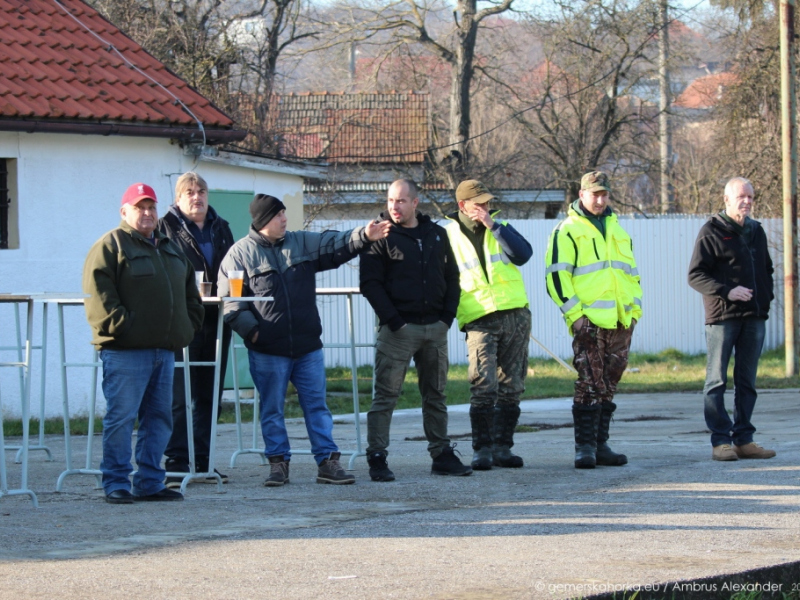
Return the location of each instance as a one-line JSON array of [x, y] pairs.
[[479, 214], [377, 230], [578, 324], [254, 339], [740, 294]]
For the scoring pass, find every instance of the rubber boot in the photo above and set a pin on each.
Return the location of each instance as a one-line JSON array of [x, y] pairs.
[[605, 455], [506, 417], [481, 419], [585, 418]]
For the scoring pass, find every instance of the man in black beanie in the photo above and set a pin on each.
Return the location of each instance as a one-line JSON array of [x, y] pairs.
[[283, 337]]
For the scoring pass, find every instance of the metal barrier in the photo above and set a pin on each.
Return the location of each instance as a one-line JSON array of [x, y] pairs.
[[24, 364], [351, 344]]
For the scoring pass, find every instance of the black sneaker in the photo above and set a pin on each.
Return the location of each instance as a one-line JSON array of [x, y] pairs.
[[224, 478], [202, 467], [379, 468], [447, 463], [165, 495], [175, 466], [331, 471]]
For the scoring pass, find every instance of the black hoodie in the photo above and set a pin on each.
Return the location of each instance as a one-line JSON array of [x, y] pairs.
[[723, 260]]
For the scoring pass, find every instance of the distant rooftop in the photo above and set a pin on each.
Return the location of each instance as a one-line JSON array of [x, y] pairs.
[[387, 128]]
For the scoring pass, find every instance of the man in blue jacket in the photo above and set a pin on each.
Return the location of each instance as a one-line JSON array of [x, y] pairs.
[[283, 336], [732, 268]]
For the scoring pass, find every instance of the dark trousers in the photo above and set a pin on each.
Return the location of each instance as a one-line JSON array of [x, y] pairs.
[[601, 356], [201, 349], [744, 338]]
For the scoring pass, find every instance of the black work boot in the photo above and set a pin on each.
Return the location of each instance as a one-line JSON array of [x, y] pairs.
[[481, 419], [378, 467], [447, 463], [505, 422], [585, 418], [278, 471], [605, 455]]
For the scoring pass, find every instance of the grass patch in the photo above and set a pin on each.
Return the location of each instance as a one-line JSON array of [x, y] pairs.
[[666, 371]]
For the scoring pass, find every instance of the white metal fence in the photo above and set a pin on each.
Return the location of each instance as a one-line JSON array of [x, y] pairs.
[[673, 312]]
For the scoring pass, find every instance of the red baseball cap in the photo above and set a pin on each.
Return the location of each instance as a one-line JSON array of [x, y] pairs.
[[136, 192]]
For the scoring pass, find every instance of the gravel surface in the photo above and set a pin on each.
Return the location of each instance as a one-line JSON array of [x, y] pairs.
[[544, 531]]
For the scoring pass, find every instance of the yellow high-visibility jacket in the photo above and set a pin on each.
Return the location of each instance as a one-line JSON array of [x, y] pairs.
[[591, 276], [503, 290]]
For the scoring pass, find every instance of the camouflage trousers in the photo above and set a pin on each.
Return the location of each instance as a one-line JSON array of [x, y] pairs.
[[601, 356], [498, 357]]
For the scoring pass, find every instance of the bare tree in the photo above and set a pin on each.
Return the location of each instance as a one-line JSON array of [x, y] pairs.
[[229, 51], [582, 106], [419, 22]]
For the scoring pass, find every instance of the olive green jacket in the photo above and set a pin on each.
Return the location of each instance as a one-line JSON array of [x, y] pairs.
[[140, 295]]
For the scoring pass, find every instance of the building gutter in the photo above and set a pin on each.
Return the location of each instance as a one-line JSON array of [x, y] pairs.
[[225, 157], [184, 134]]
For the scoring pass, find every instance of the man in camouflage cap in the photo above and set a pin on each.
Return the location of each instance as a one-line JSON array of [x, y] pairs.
[[493, 312], [592, 277]]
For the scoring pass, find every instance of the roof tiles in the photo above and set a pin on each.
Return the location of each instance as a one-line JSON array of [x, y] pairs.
[[52, 68], [353, 128]]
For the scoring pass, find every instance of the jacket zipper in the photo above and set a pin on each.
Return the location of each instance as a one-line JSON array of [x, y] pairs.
[[169, 287]]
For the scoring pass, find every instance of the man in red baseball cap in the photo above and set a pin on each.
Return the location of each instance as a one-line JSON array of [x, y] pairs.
[[143, 305]]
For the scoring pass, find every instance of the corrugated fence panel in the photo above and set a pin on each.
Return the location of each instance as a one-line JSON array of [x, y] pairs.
[[673, 312]]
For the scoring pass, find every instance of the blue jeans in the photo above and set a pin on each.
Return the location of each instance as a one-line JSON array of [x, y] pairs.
[[272, 375], [136, 383], [745, 338]]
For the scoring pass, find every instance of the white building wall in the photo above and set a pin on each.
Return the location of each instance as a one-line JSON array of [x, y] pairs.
[[68, 194]]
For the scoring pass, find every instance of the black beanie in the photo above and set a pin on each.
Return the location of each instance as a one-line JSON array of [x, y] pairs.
[[263, 208]]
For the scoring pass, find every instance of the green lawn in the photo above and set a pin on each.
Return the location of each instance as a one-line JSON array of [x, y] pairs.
[[667, 371]]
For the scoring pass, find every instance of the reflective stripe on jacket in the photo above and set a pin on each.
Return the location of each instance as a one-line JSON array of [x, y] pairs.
[[480, 296], [588, 275]]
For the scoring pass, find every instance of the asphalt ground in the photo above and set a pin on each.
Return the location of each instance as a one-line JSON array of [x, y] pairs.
[[547, 530]]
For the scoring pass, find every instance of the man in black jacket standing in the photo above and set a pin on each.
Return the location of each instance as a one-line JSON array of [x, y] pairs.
[[205, 238], [732, 268], [412, 282]]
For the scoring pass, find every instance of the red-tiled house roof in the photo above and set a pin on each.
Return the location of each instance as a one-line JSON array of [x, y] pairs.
[[64, 68], [705, 92], [352, 128]]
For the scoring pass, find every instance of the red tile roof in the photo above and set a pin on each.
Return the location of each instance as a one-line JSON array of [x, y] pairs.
[[705, 92], [56, 75], [353, 128]]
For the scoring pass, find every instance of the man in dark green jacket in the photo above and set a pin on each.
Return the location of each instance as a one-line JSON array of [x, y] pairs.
[[143, 305]]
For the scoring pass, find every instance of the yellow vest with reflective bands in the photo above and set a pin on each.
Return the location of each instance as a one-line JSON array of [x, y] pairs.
[[592, 276], [480, 296]]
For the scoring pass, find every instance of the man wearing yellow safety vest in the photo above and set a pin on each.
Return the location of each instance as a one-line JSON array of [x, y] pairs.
[[493, 312], [592, 277]]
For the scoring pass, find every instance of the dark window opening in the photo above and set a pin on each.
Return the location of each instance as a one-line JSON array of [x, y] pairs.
[[5, 202], [551, 210]]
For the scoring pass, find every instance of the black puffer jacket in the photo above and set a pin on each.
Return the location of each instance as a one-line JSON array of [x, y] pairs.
[[174, 228], [407, 280], [722, 260]]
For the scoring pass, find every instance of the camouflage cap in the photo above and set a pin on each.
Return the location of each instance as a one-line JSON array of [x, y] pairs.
[[595, 181], [473, 190]]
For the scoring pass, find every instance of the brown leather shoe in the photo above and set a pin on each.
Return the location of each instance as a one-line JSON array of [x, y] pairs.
[[753, 450], [723, 452]]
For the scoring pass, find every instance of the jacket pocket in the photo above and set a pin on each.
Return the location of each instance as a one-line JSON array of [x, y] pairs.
[[141, 266]]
